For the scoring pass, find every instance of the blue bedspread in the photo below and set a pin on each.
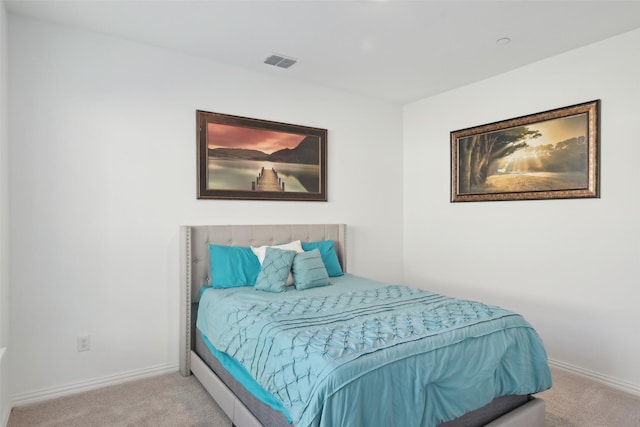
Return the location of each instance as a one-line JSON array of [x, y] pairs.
[[360, 352]]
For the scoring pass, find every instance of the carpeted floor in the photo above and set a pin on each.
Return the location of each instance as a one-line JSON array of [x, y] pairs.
[[575, 401], [162, 401], [172, 400]]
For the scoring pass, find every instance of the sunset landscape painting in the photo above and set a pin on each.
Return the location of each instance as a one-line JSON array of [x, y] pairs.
[[542, 156], [242, 158]]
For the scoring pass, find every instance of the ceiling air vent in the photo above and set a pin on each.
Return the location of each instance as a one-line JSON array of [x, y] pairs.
[[280, 61]]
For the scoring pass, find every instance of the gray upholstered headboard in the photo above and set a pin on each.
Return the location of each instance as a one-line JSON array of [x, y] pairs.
[[195, 270]]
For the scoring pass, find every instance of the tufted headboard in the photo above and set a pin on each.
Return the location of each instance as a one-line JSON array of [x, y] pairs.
[[195, 270]]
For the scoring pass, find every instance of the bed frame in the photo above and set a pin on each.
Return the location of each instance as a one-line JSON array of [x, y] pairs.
[[195, 273]]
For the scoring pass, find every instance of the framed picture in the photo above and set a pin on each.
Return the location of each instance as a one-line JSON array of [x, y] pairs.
[[243, 158], [548, 155]]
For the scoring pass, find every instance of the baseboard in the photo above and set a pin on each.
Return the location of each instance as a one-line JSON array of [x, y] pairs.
[[82, 386], [612, 382]]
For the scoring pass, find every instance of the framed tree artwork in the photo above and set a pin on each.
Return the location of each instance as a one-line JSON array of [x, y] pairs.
[[548, 155]]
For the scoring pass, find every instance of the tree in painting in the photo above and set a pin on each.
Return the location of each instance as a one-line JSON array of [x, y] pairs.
[[478, 152]]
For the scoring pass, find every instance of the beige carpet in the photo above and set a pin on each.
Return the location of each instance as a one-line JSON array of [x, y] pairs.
[[172, 400], [162, 401], [575, 401]]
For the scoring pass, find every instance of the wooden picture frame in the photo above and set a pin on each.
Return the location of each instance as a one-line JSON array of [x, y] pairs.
[[252, 159], [548, 155]]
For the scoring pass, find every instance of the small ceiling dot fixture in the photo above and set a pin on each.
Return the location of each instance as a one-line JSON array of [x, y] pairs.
[[280, 61], [503, 41]]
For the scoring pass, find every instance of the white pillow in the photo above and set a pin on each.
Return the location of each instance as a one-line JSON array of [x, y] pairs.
[[260, 252]]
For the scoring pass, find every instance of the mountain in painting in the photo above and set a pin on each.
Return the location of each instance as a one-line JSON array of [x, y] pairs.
[[307, 152], [238, 153]]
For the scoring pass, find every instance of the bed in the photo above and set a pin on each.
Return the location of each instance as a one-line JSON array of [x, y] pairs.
[[245, 390]]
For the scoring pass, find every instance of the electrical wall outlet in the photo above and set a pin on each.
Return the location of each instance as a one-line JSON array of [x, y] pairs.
[[84, 343]]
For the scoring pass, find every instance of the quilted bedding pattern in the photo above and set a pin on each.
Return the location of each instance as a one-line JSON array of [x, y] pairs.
[[311, 349]]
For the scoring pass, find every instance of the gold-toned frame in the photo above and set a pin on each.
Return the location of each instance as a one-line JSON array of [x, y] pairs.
[[266, 182], [478, 152]]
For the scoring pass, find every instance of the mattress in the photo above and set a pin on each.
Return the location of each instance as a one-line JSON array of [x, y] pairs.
[[323, 351]]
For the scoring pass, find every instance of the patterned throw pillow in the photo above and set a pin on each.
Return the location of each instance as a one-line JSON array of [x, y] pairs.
[[309, 270], [291, 246], [329, 256], [275, 270]]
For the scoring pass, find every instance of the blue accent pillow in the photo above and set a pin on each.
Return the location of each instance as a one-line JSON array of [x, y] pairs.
[[275, 270], [233, 266], [329, 256], [309, 271]]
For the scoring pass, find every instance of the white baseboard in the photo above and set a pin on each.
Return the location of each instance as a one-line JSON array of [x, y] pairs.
[[612, 382], [65, 390]]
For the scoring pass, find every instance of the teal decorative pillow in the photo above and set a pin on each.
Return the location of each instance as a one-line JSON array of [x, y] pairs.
[[291, 246], [329, 256], [309, 270], [233, 266], [275, 270]]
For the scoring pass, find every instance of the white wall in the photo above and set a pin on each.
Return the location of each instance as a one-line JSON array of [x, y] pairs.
[[571, 266], [4, 220], [103, 173]]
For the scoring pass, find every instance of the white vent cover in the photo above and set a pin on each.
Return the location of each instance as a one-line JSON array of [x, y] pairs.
[[280, 61]]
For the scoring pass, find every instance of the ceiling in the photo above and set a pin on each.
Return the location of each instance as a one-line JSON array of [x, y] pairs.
[[397, 51]]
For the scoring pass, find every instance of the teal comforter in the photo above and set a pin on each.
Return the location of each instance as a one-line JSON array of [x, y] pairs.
[[361, 352]]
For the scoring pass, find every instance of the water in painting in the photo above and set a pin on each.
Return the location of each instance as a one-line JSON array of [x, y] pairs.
[[238, 174]]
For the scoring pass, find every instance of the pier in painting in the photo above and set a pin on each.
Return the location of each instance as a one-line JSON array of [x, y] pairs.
[[268, 180]]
